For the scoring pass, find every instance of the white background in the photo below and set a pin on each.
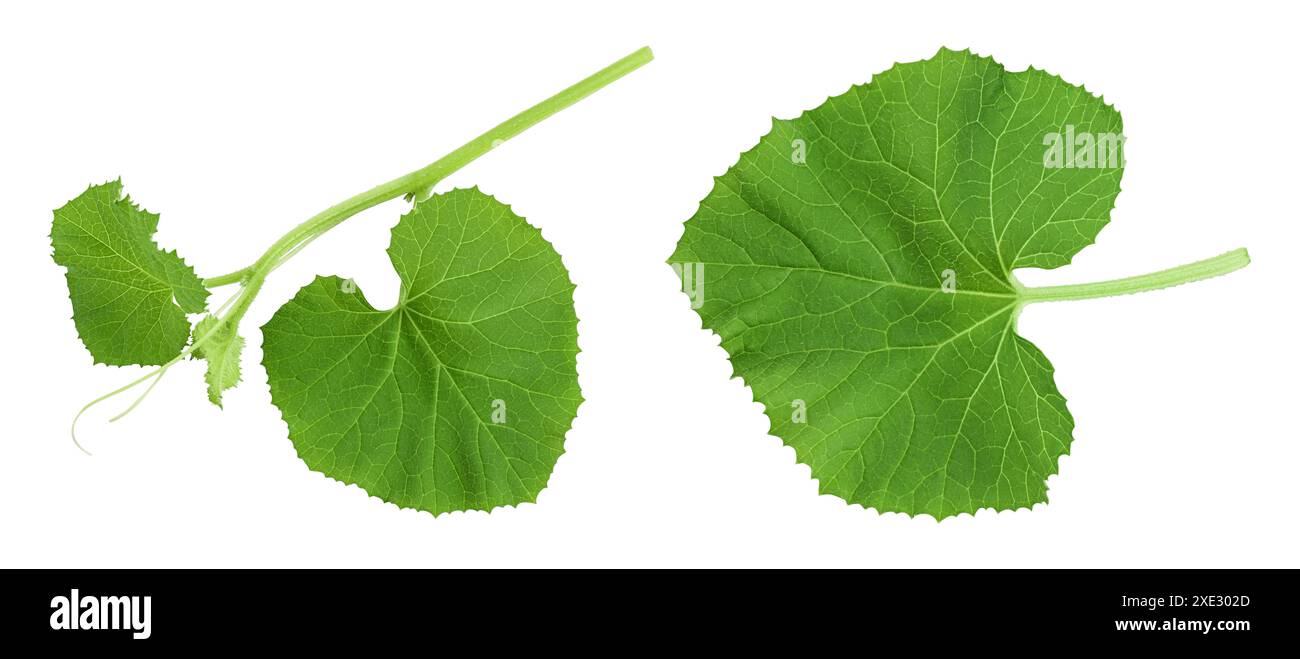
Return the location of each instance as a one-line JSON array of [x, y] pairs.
[[236, 124]]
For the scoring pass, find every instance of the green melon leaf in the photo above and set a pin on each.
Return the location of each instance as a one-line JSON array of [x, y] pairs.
[[129, 298], [857, 264], [457, 398]]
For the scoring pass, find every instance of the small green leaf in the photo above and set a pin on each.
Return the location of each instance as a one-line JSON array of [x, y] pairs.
[[221, 348], [857, 265], [129, 298], [458, 397]]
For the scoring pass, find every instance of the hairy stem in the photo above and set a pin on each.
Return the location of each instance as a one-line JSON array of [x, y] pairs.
[[422, 180], [1213, 267], [225, 280]]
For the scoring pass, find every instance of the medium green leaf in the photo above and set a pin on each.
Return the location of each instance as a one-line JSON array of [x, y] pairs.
[[823, 256], [221, 348], [129, 298], [458, 397]]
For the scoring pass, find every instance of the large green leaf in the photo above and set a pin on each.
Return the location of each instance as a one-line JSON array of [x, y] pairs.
[[129, 298], [823, 256], [458, 397]]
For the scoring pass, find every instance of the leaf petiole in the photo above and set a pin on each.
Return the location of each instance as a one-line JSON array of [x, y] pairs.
[[1183, 274], [227, 279]]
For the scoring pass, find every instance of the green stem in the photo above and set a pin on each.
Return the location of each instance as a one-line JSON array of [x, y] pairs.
[[1219, 265], [422, 180], [225, 280]]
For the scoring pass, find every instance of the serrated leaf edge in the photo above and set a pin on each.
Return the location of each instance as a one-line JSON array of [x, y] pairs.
[[577, 374], [821, 488]]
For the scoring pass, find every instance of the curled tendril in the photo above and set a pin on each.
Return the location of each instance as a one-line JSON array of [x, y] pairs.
[[156, 374]]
